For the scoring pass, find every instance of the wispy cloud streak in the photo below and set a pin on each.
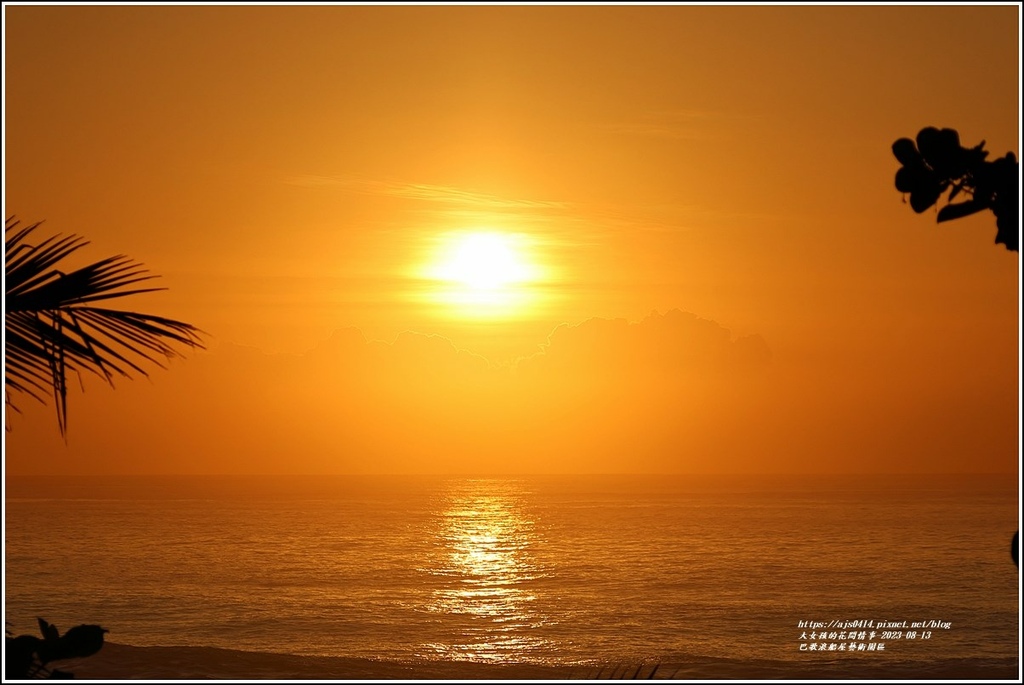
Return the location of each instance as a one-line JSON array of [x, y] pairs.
[[428, 193]]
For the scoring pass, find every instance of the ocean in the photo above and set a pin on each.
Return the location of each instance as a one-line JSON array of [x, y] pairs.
[[705, 577]]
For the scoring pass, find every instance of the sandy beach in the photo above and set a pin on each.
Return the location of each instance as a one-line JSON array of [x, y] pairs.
[[122, 662]]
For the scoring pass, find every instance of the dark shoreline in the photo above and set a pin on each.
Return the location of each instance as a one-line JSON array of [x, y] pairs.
[[117, 661], [124, 662]]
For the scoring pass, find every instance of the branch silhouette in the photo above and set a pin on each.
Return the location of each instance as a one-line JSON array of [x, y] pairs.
[[53, 324], [936, 163]]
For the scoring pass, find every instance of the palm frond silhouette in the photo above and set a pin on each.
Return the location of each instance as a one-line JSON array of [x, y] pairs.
[[55, 324]]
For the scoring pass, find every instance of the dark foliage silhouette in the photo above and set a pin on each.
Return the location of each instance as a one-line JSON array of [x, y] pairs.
[[936, 162], [53, 324], [27, 656]]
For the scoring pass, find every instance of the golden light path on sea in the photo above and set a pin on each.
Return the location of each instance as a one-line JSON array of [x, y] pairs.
[[487, 568]]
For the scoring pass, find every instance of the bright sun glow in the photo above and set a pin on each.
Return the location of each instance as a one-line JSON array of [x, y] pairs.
[[483, 274]]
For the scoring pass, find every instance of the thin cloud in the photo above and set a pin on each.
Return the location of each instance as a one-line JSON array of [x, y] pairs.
[[673, 344], [425, 192], [564, 223], [456, 196]]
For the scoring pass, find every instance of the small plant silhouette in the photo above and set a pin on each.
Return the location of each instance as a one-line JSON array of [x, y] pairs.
[[936, 162], [27, 656]]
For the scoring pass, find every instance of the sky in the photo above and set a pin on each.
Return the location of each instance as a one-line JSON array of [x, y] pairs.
[[698, 260]]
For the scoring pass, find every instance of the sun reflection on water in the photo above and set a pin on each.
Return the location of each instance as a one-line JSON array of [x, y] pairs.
[[487, 574]]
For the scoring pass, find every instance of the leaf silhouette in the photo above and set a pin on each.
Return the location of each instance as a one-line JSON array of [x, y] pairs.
[[960, 210], [80, 641], [924, 197], [906, 152], [48, 630]]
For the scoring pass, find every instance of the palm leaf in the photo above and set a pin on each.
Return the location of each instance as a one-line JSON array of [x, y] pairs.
[[53, 326]]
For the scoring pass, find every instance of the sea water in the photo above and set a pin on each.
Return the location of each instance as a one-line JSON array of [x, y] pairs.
[[547, 570]]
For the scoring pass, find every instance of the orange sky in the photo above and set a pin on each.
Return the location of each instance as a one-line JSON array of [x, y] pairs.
[[729, 279]]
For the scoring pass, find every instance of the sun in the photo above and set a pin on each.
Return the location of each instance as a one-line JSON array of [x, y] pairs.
[[483, 262], [483, 273]]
